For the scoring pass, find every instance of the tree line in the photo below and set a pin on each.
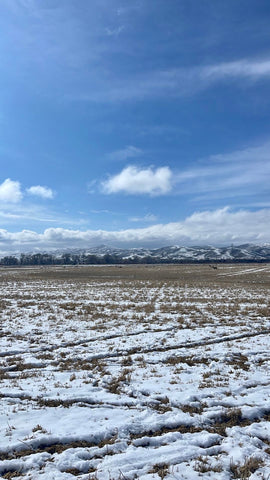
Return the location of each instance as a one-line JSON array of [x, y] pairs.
[[71, 259]]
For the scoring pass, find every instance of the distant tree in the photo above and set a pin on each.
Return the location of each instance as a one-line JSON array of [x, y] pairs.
[[26, 259], [66, 259], [9, 260], [91, 259]]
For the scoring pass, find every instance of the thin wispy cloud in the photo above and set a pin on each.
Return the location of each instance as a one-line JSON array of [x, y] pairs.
[[242, 69], [114, 32], [177, 82], [77, 50], [148, 218], [125, 153], [242, 172], [187, 81], [33, 213], [92, 186], [25, 212]]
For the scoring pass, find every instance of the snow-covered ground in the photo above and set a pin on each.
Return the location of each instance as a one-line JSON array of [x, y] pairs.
[[115, 378]]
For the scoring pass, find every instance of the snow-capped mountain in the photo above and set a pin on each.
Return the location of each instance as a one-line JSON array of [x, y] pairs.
[[247, 252], [178, 254]]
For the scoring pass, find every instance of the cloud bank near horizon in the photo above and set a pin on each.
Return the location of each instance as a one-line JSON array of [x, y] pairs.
[[218, 227]]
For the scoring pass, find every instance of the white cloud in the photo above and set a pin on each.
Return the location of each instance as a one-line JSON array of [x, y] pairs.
[[218, 227], [244, 172], [128, 152], [133, 180], [10, 191], [39, 191]]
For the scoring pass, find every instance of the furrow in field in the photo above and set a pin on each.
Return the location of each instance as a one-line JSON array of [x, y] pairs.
[[85, 341], [188, 345]]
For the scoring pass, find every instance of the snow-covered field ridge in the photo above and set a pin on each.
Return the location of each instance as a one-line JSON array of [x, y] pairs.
[[135, 372]]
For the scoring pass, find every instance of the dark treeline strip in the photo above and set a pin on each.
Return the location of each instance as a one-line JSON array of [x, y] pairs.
[[107, 259]]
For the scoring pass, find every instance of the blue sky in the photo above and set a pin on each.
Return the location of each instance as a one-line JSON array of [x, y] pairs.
[[142, 123]]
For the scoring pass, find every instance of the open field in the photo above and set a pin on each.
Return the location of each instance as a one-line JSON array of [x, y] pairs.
[[125, 372]]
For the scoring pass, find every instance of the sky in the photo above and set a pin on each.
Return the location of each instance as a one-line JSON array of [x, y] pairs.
[[138, 123]]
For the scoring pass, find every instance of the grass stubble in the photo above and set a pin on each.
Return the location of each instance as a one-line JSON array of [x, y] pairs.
[[79, 326]]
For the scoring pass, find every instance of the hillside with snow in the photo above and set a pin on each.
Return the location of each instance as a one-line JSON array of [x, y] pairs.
[[248, 252]]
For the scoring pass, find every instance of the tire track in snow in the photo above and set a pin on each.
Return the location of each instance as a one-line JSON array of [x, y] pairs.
[[83, 401], [138, 350], [244, 272], [135, 350], [82, 342]]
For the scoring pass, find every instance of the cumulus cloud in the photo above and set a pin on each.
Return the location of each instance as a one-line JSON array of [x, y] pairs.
[[39, 191], [218, 227], [134, 180], [10, 191]]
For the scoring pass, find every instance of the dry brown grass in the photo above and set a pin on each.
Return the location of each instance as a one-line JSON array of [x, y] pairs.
[[202, 465], [244, 471], [115, 383], [162, 469], [191, 275], [239, 361]]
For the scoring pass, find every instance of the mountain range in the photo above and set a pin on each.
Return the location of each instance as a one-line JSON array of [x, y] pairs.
[[248, 252]]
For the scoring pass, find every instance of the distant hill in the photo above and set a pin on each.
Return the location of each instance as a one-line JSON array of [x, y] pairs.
[[171, 254], [175, 253]]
